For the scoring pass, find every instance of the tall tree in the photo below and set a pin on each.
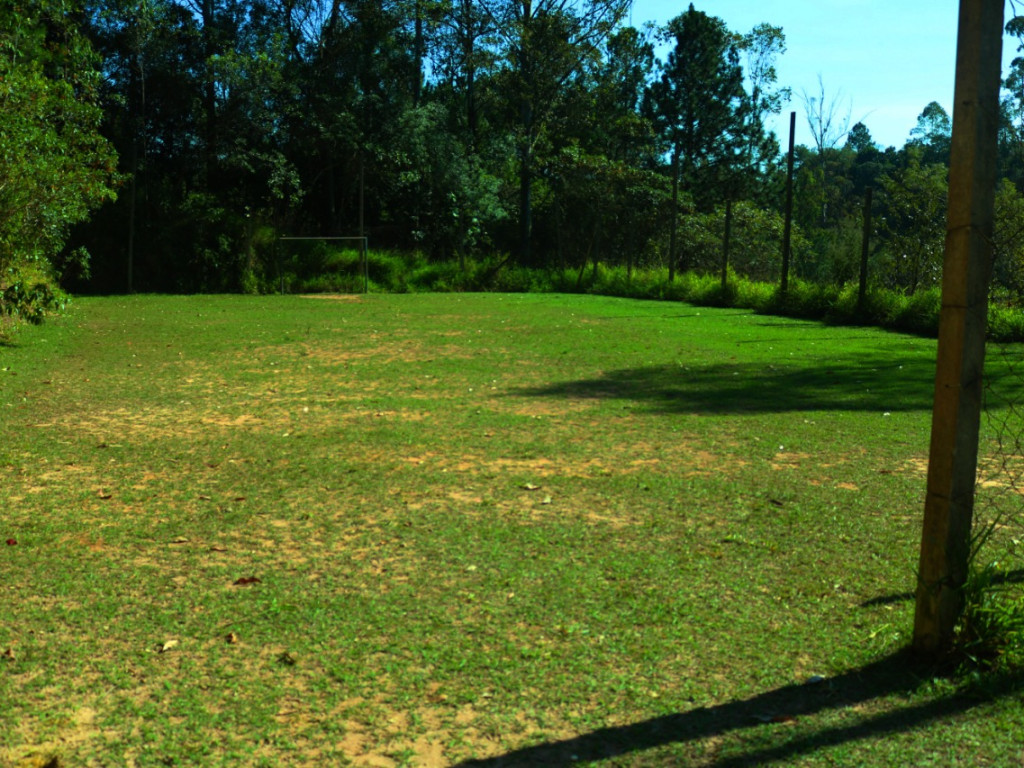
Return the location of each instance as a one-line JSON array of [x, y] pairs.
[[697, 105], [620, 82], [544, 44], [1011, 138], [828, 122], [859, 139], [463, 55], [49, 98], [913, 224], [933, 134], [760, 49]]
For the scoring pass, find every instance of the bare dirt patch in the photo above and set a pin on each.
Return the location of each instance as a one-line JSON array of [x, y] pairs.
[[352, 297]]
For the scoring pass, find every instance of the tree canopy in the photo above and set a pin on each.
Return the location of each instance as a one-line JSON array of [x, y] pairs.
[[55, 165], [178, 140]]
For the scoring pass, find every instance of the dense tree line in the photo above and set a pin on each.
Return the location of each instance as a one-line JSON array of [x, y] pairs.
[[546, 133]]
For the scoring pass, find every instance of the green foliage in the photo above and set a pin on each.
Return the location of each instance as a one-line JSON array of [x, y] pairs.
[[449, 201], [755, 243], [1008, 269], [916, 313], [55, 167], [427, 125], [31, 302], [1005, 323], [932, 135], [604, 210], [913, 225], [831, 255], [697, 103]]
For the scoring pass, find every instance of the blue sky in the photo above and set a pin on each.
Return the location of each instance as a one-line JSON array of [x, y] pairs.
[[886, 59]]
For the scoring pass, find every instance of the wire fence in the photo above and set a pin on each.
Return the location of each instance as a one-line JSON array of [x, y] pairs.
[[998, 535]]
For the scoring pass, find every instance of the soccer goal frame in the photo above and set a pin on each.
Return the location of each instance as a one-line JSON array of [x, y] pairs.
[[364, 247]]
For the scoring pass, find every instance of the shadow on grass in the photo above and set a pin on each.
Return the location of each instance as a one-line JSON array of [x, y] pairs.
[[878, 384], [1009, 577], [893, 675]]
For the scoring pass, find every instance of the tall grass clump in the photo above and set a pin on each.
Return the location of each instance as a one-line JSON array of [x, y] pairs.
[[990, 631]]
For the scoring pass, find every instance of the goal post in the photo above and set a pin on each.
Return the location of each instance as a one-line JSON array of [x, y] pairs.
[[363, 252]]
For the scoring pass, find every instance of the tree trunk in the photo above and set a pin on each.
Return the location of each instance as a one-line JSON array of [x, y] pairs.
[[525, 207], [675, 217], [210, 90], [418, 44]]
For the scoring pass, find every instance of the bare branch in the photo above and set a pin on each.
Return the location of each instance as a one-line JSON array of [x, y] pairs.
[[828, 124]]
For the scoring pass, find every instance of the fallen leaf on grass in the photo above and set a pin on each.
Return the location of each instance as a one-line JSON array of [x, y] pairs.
[[179, 540], [247, 580], [231, 638], [218, 549], [8, 655], [168, 646], [105, 496], [11, 542], [531, 487], [546, 500], [204, 497], [776, 718], [286, 658]]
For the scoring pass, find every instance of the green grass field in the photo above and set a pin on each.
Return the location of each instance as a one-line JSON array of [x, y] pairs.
[[430, 529]]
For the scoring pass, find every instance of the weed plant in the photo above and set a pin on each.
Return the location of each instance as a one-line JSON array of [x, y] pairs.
[[990, 633]]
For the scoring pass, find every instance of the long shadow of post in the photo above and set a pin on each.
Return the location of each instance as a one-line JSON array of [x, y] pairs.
[[872, 383], [869, 383], [895, 674]]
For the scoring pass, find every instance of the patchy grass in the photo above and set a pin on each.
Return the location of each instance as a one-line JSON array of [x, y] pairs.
[[423, 530]]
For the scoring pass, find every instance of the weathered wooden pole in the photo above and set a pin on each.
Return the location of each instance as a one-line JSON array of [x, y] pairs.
[[788, 226], [953, 460], [865, 244]]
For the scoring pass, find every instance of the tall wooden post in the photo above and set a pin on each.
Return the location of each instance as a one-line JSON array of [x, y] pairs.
[[865, 247], [788, 226], [967, 269]]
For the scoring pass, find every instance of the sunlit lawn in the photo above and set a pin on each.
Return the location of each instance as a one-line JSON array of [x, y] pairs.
[[422, 529]]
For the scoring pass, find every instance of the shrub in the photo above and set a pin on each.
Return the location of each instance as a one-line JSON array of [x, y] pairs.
[[1005, 323], [919, 312]]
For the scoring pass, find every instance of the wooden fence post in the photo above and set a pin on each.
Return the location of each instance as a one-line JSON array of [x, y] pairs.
[[865, 243], [967, 269], [788, 226]]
